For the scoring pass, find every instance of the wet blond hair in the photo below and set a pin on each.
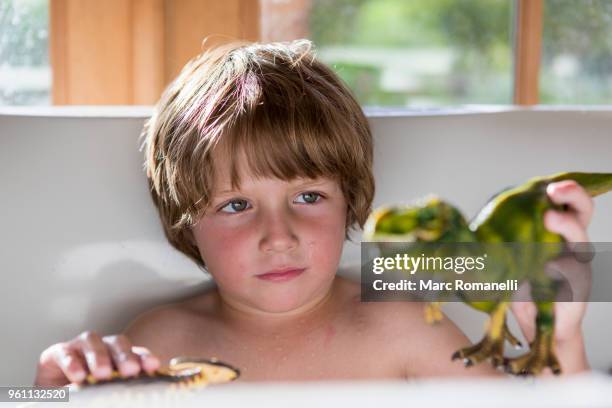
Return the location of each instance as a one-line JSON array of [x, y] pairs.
[[290, 114]]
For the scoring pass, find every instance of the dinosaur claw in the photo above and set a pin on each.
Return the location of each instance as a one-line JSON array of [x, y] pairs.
[[537, 359], [491, 346], [497, 361]]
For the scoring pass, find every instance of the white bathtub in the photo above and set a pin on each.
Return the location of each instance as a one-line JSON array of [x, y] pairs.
[[82, 247], [591, 391]]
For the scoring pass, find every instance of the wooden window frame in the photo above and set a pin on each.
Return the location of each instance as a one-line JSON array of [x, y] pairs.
[[126, 51], [527, 51]]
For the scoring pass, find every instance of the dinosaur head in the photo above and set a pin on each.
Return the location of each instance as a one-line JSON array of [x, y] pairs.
[[425, 220]]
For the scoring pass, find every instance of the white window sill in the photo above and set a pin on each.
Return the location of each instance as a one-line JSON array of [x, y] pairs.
[[144, 111]]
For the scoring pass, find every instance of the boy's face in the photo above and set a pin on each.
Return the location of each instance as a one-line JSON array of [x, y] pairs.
[[248, 236]]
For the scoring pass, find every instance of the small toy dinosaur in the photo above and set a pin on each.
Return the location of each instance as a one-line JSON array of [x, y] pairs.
[[515, 215], [188, 371]]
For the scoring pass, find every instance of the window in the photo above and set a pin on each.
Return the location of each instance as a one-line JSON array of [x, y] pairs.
[[392, 53], [418, 52], [25, 75], [576, 52]]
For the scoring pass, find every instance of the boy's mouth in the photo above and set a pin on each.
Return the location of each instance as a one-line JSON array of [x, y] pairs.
[[281, 275]]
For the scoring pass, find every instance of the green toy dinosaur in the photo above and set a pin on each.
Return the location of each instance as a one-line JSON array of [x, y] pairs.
[[514, 215]]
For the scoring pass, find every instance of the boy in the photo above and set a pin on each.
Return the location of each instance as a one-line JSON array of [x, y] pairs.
[[260, 161]]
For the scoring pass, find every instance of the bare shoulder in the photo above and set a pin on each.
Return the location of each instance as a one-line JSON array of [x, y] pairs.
[[399, 329], [397, 317], [167, 327]]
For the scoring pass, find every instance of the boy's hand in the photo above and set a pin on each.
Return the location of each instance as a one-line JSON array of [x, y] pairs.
[[71, 361], [572, 225]]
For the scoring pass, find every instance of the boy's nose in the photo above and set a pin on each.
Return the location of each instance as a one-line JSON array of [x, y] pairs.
[[278, 234]]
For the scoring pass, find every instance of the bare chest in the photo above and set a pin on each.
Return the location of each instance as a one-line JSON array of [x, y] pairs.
[[329, 352]]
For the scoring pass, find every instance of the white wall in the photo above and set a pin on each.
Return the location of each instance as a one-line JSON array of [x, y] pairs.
[[81, 246]]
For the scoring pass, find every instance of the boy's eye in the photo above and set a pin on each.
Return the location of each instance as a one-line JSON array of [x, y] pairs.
[[235, 206], [310, 197], [239, 205]]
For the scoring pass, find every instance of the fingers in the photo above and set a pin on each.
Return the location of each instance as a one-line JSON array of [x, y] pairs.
[[127, 362], [148, 361], [96, 355], [70, 362], [565, 224], [573, 194], [89, 353]]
